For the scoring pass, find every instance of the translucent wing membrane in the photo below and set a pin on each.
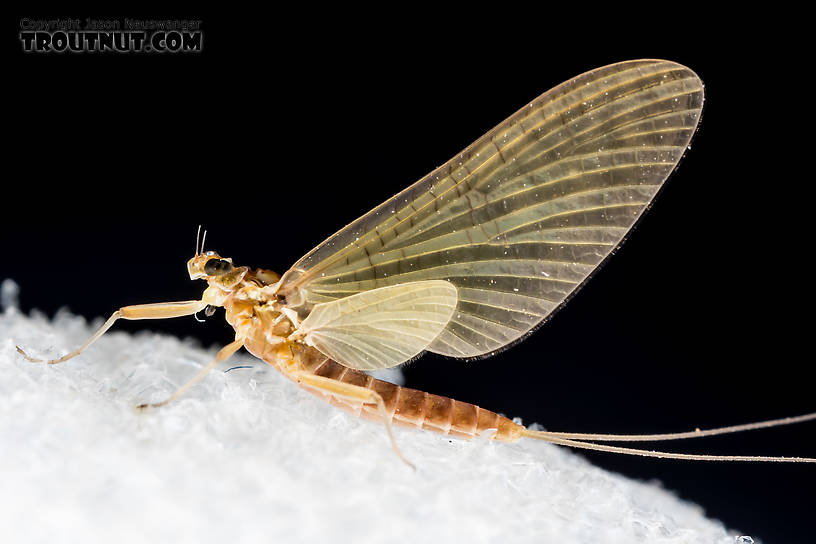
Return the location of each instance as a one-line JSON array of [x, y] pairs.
[[522, 217], [381, 328]]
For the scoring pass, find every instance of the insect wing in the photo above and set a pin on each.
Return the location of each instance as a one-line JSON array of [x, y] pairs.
[[381, 328], [522, 217]]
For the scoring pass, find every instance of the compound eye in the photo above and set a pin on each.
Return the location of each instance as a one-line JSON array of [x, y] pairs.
[[217, 267]]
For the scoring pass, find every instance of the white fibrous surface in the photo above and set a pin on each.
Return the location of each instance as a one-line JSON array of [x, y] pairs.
[[247, 456]]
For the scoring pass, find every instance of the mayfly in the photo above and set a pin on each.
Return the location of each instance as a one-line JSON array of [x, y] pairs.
[[468, 260]]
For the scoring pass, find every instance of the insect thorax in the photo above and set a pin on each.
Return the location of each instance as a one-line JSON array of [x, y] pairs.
[[253, 310]]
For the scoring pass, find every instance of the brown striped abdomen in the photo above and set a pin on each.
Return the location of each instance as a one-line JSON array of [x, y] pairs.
[[405, 406], [410, 407]]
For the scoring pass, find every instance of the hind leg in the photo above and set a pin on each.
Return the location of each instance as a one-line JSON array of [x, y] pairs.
[[350, 393]]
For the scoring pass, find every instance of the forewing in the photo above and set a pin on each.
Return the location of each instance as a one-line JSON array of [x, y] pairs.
[[381, 328], [521, 218]]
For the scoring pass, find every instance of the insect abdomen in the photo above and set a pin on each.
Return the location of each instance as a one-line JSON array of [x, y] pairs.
[[410, 407]]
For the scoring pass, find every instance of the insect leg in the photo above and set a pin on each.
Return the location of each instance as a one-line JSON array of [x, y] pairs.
[[353, 393], [158, 310], [223, 354]]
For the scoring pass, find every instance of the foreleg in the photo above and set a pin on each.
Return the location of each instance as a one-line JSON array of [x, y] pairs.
[[159, 310]]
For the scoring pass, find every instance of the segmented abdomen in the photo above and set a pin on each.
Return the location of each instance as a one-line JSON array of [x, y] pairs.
[[405, 406], [415, 408]]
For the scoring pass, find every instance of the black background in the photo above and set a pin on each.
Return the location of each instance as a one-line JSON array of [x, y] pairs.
[[290, 125]]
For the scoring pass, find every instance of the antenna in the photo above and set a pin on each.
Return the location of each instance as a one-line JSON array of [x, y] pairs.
[[198, 238]]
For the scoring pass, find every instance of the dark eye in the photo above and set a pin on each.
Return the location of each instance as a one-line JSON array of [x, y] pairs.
[[216, 267]]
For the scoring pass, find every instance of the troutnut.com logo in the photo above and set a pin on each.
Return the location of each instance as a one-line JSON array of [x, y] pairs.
[[111, 35]]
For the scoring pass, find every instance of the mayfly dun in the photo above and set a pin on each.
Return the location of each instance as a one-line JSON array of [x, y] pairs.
[[468, 260]]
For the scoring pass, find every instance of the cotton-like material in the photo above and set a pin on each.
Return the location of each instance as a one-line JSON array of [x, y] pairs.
[[247, 456]]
